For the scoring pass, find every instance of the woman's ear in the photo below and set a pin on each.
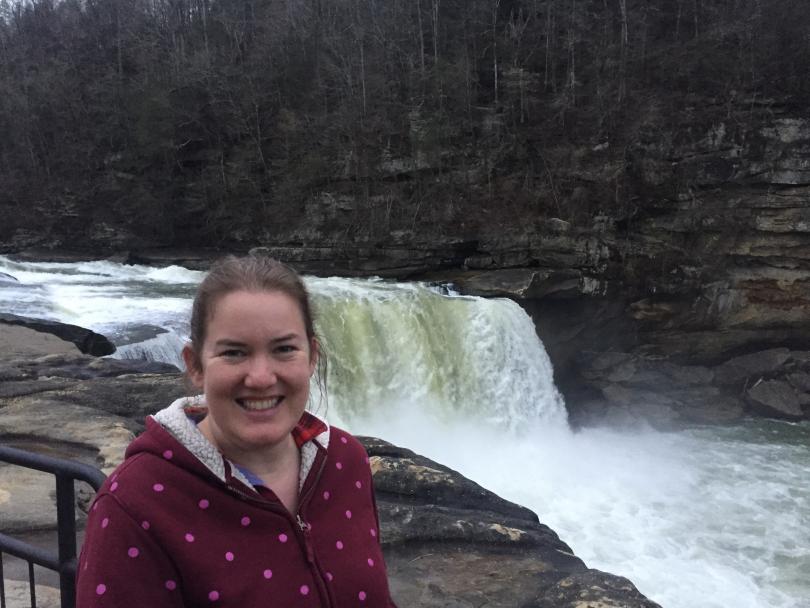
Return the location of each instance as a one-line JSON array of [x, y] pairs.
[[193, 367]]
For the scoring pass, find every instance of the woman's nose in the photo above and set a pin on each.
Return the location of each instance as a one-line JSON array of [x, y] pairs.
[[261, 372]]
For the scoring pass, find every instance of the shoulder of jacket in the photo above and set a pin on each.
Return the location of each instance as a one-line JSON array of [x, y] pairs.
[[134, 474], [345, 445]]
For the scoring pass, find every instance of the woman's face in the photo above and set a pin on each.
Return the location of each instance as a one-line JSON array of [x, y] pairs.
[[254, 369]]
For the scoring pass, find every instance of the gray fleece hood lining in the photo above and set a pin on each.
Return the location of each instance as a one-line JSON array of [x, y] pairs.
[[175, 420]]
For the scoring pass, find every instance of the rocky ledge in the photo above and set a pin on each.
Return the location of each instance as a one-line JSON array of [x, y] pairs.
[[447, 541]]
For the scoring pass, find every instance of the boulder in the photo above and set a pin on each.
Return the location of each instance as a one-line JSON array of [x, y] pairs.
[[776, 398], [636, 388], [739, 370], [519, 283], [19, 341], [86, 340], [771, 383]]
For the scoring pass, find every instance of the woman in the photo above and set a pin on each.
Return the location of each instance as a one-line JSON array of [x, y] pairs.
[[239, 497]]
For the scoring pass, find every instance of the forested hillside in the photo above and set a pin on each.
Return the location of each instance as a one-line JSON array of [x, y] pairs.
[[240, 122]]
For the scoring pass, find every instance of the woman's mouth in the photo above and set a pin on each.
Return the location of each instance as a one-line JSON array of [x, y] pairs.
[[254, 405]]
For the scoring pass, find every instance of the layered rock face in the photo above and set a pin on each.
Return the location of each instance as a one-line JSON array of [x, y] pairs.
[[648, 310], [447, 541]]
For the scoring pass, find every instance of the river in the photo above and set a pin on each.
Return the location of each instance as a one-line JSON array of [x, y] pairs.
[[704, 517]]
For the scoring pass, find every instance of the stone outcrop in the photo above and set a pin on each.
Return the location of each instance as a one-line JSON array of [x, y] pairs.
[[87, 341], [633, 387], [448, 541]]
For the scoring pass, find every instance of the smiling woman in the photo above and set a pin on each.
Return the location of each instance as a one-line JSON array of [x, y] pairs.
[[254, 370], [239, 496]]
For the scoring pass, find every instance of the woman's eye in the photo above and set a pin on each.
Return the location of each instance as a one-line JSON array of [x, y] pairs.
[[232, 353], [286, 348]]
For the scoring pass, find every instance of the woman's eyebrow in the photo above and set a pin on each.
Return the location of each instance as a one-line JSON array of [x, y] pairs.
[[228, 342], [285, 338]]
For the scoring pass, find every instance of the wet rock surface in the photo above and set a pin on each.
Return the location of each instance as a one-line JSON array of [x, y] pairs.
[[447, 540], [628, 388], [86, 341]]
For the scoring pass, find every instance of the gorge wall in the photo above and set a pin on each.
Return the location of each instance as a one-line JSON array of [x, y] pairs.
[[636, 176]]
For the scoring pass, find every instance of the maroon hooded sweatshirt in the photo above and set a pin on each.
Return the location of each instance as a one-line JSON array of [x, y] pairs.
[[177, 525]]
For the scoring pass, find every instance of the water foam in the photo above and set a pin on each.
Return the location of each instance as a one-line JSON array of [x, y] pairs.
[[417, 347], [165, 347]]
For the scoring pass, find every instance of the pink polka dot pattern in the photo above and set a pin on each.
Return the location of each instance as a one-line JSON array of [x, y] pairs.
[[113, 486], [95, 506], [335, 488]]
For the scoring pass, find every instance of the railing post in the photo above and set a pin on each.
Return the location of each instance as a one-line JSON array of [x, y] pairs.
[[66, 525], [64, 562]]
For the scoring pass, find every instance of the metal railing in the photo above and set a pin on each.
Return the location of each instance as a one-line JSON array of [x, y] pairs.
[[62, 561]]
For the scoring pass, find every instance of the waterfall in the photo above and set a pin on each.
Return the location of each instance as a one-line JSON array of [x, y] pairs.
[[394, 347], [165, 347]]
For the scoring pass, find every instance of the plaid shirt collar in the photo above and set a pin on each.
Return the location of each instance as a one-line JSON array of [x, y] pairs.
[[307, 429]]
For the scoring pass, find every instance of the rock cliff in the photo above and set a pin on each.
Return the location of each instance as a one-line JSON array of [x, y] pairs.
[[705, 257]]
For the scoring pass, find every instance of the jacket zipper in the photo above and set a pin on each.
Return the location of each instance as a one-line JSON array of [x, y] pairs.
[[299, 522], [307, 537]]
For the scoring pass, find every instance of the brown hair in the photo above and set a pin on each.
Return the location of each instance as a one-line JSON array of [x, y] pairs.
[[250, 273]]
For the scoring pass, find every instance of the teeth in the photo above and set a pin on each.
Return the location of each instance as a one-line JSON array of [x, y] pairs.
[[263, 404]]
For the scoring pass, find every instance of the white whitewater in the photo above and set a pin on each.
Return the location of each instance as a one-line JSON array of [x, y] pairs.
[[709, 518], [397, 349]]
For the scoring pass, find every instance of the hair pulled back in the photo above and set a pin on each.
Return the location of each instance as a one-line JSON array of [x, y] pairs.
[[249, 273]]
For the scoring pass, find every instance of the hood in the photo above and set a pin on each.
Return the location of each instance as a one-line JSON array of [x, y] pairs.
[[173, 434]]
